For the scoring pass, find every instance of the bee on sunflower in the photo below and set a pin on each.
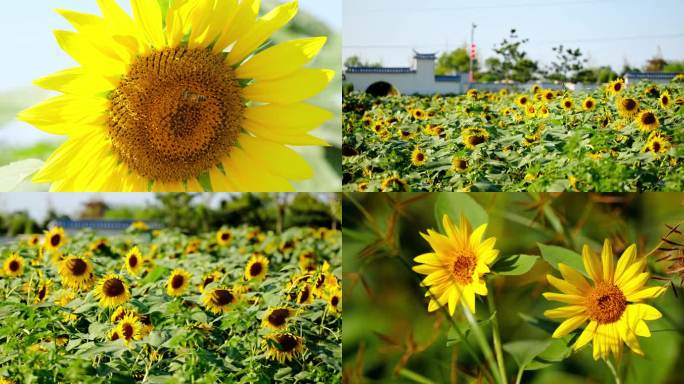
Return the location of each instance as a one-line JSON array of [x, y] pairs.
[[256, 268], [112, 290], [613, 305], [76, 272], [178, 282], [418, 157], [283, 347]]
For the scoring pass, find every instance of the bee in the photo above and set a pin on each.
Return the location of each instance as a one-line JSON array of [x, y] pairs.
[[193, 98]]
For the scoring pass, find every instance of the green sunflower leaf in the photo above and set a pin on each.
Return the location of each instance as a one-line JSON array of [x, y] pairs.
[[15, 175], [554, 255], [455, 204], [515, 265]]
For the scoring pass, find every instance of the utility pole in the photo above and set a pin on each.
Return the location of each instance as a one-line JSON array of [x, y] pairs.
[[471, 76]]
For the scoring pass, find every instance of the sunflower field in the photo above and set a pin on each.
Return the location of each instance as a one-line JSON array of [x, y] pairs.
[[239, 305], [615, 138]]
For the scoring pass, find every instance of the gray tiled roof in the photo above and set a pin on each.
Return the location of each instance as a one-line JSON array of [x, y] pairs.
[[455, 78], [651, 75], [380, 70]]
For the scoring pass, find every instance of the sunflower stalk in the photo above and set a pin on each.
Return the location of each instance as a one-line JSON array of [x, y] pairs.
[[484, 345], [614, 371], [496, 336]]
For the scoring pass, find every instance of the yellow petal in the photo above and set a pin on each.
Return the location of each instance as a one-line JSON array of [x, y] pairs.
[[277, 158], [176, 21], [280, 60], [238, 24], [469, 297], [440, 243], [454, 297], [631, 273], [296, 139], [299, 86], [287, 120], [607, 262], [199, 19], [573, 277], [627, 259], [148, 15], [627, 334], [239, 167], [94, 29], [424, 269], [586, 336], [591, 265], [124, 29], [476, 236], [428, 258], [261, 31], [569, 325], [570, 299], [565, 312], [85, 54], [635, 284], [220, 182], [563, 285], [215, 23], [646, 293], [65, 114], [75, 81], [480, 288]]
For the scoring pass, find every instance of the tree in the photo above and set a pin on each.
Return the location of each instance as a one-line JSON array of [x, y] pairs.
[[456, 61], [674, 66], [513, 63], [567, 65], [355, 61]]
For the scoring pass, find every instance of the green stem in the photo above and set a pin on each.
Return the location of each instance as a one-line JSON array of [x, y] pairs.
[[496, 335], [519, 377], [614, 371], [482, 340]]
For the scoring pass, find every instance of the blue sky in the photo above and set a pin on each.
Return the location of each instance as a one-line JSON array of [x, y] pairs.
[[30, 50], [609, 31]]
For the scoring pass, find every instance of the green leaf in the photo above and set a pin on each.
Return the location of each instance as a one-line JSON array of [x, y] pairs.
[[455, 204], [453, 336], [154, 275], [554, 255], [541, 323], [524, 351], [557, 351], [14, 174], [515, 265]]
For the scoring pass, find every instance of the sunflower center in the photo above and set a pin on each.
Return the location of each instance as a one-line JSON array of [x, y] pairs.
[[420, 157], [617, 86], [177, 281], [648, 118], [55, 239], [463, 266], [475, 140], [304, 295], [113, 287], [629, 104], [287, 342], [334, 301], [278, 316], [225, 236], [77, 267], [133, 261], [127, 330], [175, 114], [255, 269], [656, 146], [208, 280], [222, 297], [590, 104], [42, 292], [14, 265], [606, 303]]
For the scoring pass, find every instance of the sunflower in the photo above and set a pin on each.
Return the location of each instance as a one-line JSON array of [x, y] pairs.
[[334, 299], [418, 157], [112, 291], [616, 86], [627, 107], [548, 95], [13, 265], [665, 99], [455, 269], [76, 272], [503, 92], [567, 104], [122, 312], [158, 105], [257, 267], [134, 261], [530, 110], [277, 318], [522, 100], [459, 164], [223, 236], [283, 347], [472, 93], [54, 238], [43, 290], [419, 114], [612, 305], [64, 298], [208, 279], [129, 329], [536, 89], [657, 143], [305, 295], [178, 282], [472, 137], [648, 121], [219, 300], [113, 334], [33, 241], [101, 245], [589, 104], [362, 187], [543, 111], [394, 184]]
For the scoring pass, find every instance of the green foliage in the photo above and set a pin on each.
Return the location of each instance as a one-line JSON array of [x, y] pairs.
[[356, 61], [555, 255], [513, 63], [456, 61], [514, 265], [456, 204]]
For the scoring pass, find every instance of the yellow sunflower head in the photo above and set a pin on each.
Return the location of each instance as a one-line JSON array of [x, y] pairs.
[[362, 187], [647, 121], [129, 329], [549, 95], [277, 318], [178, 282], [76, 272], [459, 164], [657, 143], [208, 279], [522, 100], [334, 299], [567, 104], [158, 104], [419, 114], [122, 312], [43, 290], [13, 265], [224, 236], [616, 86], [134, 261], [665, 99], [54, 238], [100, 245], [589, 103], [33, 241], [627, 107], [394, 184], [256, 268], [112, 290], [472, 93], [303, 294], [612, 303], [283, 347], [219, 300], [503, 92], [457, 264], [418, 157], [472, 137]]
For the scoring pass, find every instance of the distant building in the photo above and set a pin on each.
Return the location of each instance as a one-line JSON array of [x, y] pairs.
[[655, 77], [99, 225]]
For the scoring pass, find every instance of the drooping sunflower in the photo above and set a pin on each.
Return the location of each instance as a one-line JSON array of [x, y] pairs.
[[665, 99], [256, 268], [589, 103], [219, 300], [612, 305], [394, 184], [567, 104], [283, 347], [627, 107], [208, 279], [418, 157], [472, 137], [647, 121], [134, 261], [178, 282], [112, 290], [156, 104], [455, 267], [277, 318], [223, 236], [616, 86], [129, 329], [459, 164], [13, 265], [76, 272], [305, 294], [54, 238]]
